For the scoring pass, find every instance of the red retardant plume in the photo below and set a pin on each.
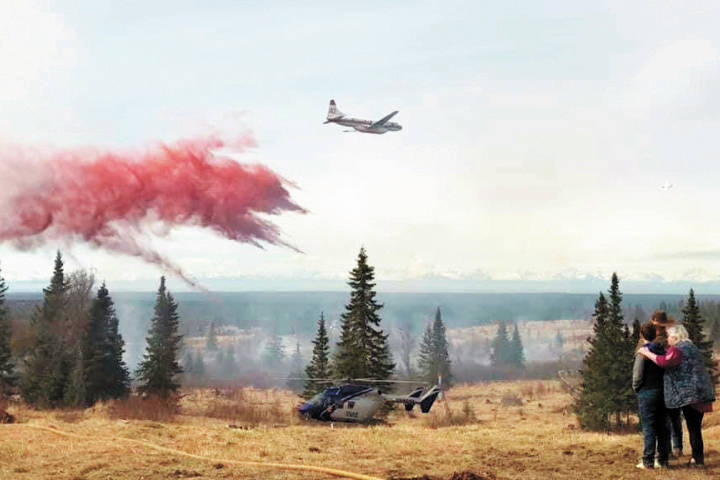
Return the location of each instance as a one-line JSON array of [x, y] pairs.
[[108, 198]]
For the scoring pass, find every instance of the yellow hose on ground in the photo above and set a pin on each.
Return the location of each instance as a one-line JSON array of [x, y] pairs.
[[281, 466]]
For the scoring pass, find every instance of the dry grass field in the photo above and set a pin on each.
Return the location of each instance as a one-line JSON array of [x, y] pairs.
[[500, 430]]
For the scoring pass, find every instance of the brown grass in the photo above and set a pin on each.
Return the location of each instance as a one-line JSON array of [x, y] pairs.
[[535, 440]]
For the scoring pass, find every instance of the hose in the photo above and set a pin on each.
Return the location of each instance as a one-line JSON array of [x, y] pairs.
[[280, 466]]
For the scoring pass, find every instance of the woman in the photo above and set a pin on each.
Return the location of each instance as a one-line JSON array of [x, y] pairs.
[[687, 384], [647, 382], [673, 418]]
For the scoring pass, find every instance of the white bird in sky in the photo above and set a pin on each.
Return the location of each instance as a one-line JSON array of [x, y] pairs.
[[666, 186]]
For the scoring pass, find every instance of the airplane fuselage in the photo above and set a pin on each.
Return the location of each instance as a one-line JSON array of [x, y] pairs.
[[365, 125]]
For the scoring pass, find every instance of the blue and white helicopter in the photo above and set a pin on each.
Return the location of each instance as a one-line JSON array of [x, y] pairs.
[[358, 400]]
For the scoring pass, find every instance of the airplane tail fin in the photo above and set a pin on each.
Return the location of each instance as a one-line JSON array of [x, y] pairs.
[[333, 112]]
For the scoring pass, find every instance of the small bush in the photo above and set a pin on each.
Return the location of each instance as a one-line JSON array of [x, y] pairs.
[[145, 408]]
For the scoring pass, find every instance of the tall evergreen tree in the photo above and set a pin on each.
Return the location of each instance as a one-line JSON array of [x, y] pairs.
[[117, 374], [620, 371], [47, 368], [426, 355], [434, 361], [517, 352], [594, 404], [319, 366], [500, 355], [692, 321], [8, 376], [159, 368], [363, 350]]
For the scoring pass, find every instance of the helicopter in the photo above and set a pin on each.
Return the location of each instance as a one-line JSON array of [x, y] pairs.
[[358, 401]]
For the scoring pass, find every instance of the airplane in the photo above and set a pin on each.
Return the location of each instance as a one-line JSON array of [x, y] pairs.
[[355, 402], [365, 126], [666, 186]]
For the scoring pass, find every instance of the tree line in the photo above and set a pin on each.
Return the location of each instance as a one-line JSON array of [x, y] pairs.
[[75, 353]]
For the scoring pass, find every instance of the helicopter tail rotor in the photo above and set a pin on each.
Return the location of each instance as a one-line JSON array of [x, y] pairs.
[[426, 402]]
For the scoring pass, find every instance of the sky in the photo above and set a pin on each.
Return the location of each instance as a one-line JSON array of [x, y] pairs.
[[535, 137]]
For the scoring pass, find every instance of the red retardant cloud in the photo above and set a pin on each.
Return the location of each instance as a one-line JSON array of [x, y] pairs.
[[106, 197]]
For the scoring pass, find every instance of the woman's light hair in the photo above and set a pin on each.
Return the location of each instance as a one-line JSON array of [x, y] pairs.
[[679, 332]]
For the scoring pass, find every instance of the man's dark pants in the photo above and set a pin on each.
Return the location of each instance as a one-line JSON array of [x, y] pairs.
[[651, 407]]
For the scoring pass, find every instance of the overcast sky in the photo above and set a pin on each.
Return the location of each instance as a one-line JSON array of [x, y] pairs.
[[535, 136]]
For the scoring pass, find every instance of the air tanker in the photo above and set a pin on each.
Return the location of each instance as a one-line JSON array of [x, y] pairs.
[[365, 126]]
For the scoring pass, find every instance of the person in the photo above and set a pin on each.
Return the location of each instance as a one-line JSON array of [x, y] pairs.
[[673, 419], [686, 384], [647, 382]]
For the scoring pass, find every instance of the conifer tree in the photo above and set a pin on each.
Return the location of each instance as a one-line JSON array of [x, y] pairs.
[[159, 368], [692, 321], [434, 361], [426, 355], [594, 404], [8, 376], [363, 350], [47, 369], [517, 352], [499, 356], [319, 366], [559, 342], [620, 370]]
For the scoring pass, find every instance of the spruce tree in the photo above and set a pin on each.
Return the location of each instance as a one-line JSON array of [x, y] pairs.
[[440, 343], [500, 355], [8, 376], [517, 353], [426, 355], [620, 371], [363, 350], [159, 368], [434, 361], [117, 374], [692, 321], [47, 369], [319, 366], [595, 404]]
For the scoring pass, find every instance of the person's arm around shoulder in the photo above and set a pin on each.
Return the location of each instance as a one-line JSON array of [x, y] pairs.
[[672, 357]]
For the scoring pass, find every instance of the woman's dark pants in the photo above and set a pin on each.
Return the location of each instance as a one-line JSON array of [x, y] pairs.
[[693, 419], [651, 407]]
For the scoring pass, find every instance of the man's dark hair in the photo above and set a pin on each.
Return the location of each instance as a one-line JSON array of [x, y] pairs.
[[648, 332]]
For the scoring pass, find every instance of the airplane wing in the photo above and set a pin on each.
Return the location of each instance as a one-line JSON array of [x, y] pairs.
[[383, 120]]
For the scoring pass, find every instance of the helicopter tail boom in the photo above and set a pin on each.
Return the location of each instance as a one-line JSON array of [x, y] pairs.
[[418, 396]]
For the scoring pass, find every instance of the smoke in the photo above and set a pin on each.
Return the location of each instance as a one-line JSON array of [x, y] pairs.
[[117, 200]]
